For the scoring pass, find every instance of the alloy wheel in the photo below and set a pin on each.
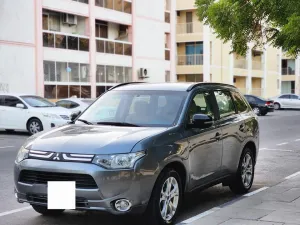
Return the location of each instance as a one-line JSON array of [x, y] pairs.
[[256, 111], [247, 170], [169, 198], [34, 127]]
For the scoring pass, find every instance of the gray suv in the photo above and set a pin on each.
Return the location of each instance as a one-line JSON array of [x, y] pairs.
[[140, 147]]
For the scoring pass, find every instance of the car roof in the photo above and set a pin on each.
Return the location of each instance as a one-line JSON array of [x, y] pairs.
[[137, 86]]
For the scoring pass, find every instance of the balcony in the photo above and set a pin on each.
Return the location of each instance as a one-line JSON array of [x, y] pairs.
[[60, 40], [240, 64], [257, 65], [188, 32], [167, 17], [190, 64], [113, 47], [167, 54], [117, 5], [288, 71], [185, 5], [76, 7]]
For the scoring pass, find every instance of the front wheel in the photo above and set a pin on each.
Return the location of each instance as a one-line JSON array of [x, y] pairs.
[[47, 212], [244, 177], [34, 126], [277, 106], [257, 111], [166, 199]]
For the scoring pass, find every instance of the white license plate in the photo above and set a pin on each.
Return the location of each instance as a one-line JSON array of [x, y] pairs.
[[61, 194]]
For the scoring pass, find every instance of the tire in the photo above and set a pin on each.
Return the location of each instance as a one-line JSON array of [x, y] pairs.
[[263, 114], [239, 185], [155, 205], [277, 106], [47, 212], [34, 126], [257, 111]]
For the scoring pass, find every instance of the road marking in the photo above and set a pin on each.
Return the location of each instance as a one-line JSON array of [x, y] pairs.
[[14, 211], [285, 143], [201, 215], [255, 192], [279, 150], [297, 140], [292, 175], [8, 147]]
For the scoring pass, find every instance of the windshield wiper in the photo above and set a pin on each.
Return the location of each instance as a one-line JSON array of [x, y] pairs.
[[85, 121], [118, 124]]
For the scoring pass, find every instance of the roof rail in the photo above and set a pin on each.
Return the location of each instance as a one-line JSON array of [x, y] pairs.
[[123, 84], [208, 83]]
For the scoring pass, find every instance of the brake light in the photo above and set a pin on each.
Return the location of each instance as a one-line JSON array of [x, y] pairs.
[[269, 103]]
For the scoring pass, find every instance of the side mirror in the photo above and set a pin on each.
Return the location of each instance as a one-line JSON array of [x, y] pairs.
[[75, 115], [20, 106], [202, 121]]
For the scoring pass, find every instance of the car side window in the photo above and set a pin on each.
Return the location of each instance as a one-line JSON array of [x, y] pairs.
[[73, 105], [285, 96], [294, 97], [201, 104], [239, 102], [11, 101], [1, 100], [62, 104], [225, 104]]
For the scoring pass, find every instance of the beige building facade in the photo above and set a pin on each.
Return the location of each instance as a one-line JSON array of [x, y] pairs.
[[201, 56]]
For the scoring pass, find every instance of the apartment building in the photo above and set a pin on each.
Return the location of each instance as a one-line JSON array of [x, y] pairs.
[[201, 56], [64, 48]]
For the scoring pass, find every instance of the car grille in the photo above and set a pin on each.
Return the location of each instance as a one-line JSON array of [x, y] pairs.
[[42, 199], [65, 117], [83, 181]]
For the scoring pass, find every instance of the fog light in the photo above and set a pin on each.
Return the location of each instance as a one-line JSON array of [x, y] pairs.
[[122, 205]]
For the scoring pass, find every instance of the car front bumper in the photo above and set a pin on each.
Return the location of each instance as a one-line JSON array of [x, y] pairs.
[[111, 185], [49, 124]]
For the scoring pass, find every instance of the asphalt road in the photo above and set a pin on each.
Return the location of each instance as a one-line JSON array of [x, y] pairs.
[[279, 157]]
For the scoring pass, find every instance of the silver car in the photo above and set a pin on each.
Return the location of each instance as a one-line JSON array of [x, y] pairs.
[[286, 101], [160, 142]]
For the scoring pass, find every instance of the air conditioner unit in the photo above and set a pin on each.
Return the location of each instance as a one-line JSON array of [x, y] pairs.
[[143, 73], [69, 19]]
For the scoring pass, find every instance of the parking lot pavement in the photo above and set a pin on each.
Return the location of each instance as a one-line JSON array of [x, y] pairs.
[[275, 161]]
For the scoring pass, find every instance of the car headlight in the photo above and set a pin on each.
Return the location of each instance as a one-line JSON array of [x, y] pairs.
[[50, 115], [118, 161], [22, 154]]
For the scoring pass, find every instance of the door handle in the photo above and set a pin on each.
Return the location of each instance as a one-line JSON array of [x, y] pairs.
[[242, 127]]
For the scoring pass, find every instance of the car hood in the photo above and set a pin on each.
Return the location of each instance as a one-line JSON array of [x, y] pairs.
[[87, 139], [53, 110]]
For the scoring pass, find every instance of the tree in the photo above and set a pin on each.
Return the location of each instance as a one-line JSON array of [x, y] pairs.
[[273, 22]]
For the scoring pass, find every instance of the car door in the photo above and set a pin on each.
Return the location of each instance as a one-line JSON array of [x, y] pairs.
[[232, 127], [294, 101], [284, 101], [204, 144], [15, 118]]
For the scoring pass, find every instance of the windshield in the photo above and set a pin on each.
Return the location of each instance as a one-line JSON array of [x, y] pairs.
[[36, 101], [142, 108]]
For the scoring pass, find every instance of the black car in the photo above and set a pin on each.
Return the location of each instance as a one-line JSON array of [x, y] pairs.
[[259, 105]]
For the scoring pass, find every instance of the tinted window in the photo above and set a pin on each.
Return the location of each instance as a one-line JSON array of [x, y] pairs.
[[1, 100], [294, 97], [240, 104], [11, 101], [200, 104], [250, 99], [73, 105], [285, 96], [225, 103], [36, 101]]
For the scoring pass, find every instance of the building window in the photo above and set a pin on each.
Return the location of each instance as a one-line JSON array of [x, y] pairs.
[[288, 66], [66, 72], [113, 74], [118, 5], [168, 76], [101, 29], [67, 91], [190, 78]]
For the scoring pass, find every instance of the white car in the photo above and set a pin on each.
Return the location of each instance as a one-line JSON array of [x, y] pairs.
[[30, 113], [286, 101], [75, 104]]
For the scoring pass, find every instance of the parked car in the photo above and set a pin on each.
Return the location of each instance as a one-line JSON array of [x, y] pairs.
[[30, 113], [163, 141], [259, 105], [75, 104], [286, 101]]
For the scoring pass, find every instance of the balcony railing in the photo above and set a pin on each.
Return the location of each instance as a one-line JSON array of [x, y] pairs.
[[287, 71], [240, 63], [257, 65], [189, 28], [65, 41], [118, 5], [113, 47], [183, 60]]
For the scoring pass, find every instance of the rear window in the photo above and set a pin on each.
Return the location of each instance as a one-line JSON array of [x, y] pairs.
[[239, 102]]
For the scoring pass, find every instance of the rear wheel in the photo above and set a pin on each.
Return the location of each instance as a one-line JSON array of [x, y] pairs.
[[277, 106], [47, 212], [243, 180], [166, 199]]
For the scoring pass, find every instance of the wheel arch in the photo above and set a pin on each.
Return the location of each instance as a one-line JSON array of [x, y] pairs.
[[251, 145], [31, 118]]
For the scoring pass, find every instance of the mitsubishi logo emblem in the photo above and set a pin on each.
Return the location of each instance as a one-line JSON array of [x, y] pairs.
[[56, 157]]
